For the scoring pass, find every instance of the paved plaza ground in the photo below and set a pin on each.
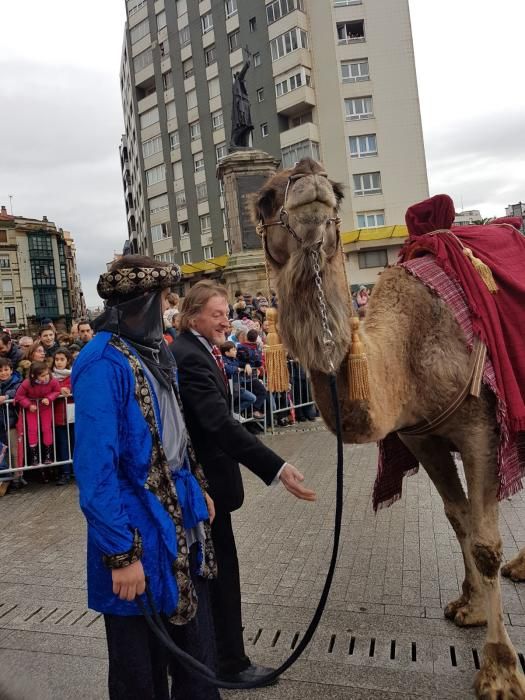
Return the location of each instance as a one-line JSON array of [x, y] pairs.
[[383, 635]]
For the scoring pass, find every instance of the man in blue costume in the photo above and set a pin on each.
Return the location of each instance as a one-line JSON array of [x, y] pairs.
[[141, 490]]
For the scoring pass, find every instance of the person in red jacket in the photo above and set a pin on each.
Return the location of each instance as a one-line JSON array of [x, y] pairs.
[[36, 395], [64, 427]]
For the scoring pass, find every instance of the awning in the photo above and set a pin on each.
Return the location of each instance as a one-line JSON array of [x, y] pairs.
[[374, 234]]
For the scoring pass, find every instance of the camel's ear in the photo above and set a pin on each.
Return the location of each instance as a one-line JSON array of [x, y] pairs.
[[339, 191], [263, 204]]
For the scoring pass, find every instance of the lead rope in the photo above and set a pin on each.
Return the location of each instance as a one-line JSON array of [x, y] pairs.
[[154, 620]]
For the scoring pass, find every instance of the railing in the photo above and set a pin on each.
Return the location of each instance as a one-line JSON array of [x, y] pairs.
[[17, 456], [276, 409]]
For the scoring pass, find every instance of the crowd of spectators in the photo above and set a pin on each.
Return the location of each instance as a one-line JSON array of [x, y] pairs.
[[36, 405]]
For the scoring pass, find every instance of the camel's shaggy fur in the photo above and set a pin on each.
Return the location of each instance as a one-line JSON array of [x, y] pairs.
[[417, 363]]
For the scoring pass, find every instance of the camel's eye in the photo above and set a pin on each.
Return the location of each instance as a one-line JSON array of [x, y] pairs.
[[266, 204]]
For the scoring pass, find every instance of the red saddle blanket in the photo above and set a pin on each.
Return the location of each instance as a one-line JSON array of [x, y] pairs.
[[498, 319]]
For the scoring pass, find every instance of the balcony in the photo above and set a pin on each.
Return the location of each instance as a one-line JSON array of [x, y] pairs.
[[296, 101], [351, 32], [303, 132]]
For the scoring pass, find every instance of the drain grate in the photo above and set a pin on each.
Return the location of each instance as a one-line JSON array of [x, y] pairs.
[[48, 617]]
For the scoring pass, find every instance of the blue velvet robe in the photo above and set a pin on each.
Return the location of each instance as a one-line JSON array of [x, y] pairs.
[[111, 461]]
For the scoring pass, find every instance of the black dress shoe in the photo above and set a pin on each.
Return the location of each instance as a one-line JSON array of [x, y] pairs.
[[250, 674]]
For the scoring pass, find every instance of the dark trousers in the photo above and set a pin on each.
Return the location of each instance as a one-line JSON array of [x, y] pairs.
[[139, 663], [226, 598]]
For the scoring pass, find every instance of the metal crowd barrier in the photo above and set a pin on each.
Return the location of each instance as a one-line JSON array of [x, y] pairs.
[[291, 406], [17, 439]]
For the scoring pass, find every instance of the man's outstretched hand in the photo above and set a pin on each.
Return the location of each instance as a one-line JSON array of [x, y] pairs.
[[292, 480]]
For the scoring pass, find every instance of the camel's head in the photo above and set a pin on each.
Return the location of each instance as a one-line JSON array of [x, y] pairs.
[[296, 212], [297, 209]]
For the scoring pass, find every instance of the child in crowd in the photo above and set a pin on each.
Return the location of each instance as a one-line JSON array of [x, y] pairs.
[[9, 383], [250, 356], [64, 430], [36, 395], [242, 398]]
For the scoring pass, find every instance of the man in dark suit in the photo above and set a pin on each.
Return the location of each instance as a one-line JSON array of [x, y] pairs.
[[221, 443]]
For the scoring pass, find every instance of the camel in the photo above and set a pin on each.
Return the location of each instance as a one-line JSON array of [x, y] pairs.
[[417, 360]]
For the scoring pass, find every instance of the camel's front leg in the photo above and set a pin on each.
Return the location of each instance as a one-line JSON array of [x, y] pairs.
[[498, 677], [434, 454]]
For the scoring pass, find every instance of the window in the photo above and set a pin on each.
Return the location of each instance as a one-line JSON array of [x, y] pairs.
[[167, 80], [217, 120], [184, 36], [207, 252], [264, 130], [370, 219], [234, 40], [280, 8], [139, 31], [186, 257], [158, 204], [154, 175], [5, 262], [180, 199], [359, 108], [191, 99], [160, 232], [3, 236], [355, 71], [206, 22], [230, 7], [164, 47], [292, 82], [214, 87], [256, 59], [171, 111], [221, 150], [305, 118], [198, 162], [152, 146], [346, 3], [289, 41], [372, 258], [303, 149], [210, 55], [174, 140], [195, 131], [184, 229], [362, 146], [7, 287], [10, 314], [205, 222], [367, 183], [187, 68], [182, 7], [351, 32], [134, 6], [177, 170], [148, 118], [161, 20], [143, 60], [252, 24], [201, 190], [260, 95]]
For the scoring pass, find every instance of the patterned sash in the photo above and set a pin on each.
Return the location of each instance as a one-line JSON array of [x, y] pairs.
[[160, 483]]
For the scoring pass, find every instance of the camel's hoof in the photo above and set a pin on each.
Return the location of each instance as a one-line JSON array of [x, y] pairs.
[[498, 678], [454, 605], [470, 616], [514, 569]]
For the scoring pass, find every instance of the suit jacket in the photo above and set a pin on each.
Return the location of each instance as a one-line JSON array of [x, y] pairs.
[[220, 441]]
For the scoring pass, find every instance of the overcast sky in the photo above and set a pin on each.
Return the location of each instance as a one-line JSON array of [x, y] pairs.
[[61, 120]]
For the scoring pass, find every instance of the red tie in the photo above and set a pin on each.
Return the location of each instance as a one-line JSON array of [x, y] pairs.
[[220, 363]]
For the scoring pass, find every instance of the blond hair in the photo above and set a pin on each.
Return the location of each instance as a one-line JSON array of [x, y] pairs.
[[196, 299]]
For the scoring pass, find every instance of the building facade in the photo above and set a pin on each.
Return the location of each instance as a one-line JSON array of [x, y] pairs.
[[331, 79], [39, 278]]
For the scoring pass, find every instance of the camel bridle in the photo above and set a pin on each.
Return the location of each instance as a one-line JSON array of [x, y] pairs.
[[283, 219]]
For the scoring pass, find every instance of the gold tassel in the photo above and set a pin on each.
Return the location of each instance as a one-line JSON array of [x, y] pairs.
[[275, 354], [483, 271], [357, 366]]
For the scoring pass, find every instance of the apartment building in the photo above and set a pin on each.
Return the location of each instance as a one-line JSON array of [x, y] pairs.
[[331, 79], [38, 275]]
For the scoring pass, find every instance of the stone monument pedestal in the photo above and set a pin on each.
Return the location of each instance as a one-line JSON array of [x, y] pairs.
[[243, 173]]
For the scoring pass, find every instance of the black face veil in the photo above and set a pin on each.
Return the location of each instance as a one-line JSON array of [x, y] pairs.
[[138, 320]]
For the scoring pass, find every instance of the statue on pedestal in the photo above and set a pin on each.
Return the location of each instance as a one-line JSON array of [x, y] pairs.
[[241, 117]]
